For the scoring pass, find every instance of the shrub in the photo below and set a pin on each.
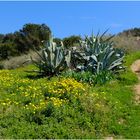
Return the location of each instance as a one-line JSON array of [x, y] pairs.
[[6, 50], [53, 59], [58, 41], [71, 41], [98, 55], [86, 76], [1, 66]]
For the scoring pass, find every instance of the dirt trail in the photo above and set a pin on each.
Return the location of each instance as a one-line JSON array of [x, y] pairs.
[[135, 67]]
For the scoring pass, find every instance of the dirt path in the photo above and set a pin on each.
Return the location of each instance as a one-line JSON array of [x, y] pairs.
[[135, 67]]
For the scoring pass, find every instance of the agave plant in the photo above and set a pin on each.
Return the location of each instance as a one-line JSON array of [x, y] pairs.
[[99, 55], [53, 59]]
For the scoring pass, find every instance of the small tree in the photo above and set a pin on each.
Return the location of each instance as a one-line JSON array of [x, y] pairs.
[[71, 41]]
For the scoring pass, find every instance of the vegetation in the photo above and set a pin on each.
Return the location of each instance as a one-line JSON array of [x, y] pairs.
[[128, 40], [53, 59], [131, 32], [58, 41], [30, 37], [91, 98], [71, 41], [99, 55], [128, 44], [65, 108]]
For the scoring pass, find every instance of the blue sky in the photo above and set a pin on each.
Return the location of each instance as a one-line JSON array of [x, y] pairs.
[[70, 18]]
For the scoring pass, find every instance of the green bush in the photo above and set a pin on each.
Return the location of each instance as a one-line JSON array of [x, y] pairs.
[[58, 41], [71, 41], [31, 36], [7, 50], [1, 66], [87, 77], [93, 79]]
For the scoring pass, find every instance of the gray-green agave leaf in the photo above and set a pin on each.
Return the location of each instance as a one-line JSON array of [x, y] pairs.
[[53, 59], [99, 55]]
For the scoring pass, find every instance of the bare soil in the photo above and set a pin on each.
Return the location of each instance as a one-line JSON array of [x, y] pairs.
[[135, 67]]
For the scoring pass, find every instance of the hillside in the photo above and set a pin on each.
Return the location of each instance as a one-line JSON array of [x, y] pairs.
[[128, 40], [34, 108], [135, 32], [86, 93]]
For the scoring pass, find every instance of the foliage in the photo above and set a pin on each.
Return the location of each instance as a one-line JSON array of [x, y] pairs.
[[102, 77], [46, 106], [1, 37], [65, 106], [37, 96], [131, 32], [53, 59], [86, 77], [92, 79], [58, 41], [7, 46], [1, 66], [7, 50], [71, 41], [31, 36], [99, 55]]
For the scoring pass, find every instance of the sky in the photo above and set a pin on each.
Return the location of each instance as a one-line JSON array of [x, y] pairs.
[[66, 18]]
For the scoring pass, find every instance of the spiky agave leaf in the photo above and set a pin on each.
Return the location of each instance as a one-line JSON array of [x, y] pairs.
[[99, 54], [53, 59]]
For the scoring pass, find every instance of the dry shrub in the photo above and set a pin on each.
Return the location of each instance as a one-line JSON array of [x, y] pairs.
[[128, 43], [19, 61]]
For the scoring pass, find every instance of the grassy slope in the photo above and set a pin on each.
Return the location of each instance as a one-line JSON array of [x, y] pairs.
[[98, 112]]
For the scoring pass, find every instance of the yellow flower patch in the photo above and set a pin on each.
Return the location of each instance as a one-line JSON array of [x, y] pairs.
[[35, 95]]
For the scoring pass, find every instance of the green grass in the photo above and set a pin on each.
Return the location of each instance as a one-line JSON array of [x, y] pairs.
[[123, 121], [129, 59], [75, 111]]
